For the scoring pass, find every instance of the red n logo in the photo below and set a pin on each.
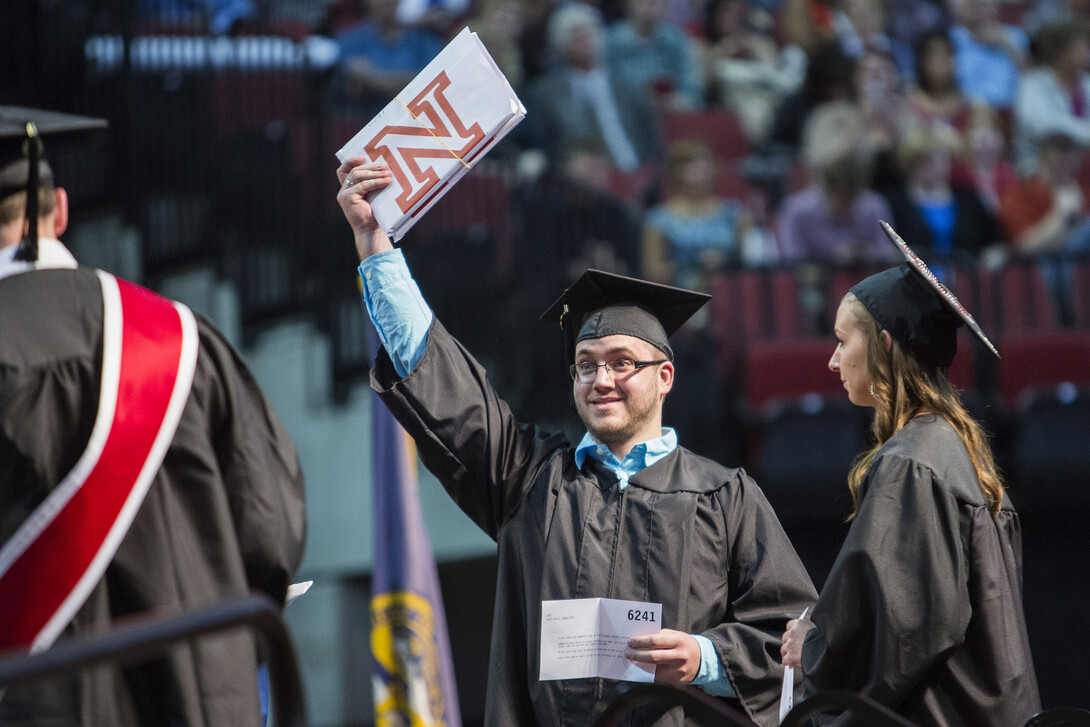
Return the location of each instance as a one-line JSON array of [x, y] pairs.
[[439, 134]]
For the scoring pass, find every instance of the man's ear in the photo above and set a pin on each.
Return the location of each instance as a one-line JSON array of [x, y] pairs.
[[60, 214], [666, 377]]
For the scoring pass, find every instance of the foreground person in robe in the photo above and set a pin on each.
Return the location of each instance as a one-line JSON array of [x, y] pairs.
[[212, 509], [922, 610], [626, 513]]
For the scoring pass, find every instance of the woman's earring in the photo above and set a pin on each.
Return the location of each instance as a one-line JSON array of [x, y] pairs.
[[873, 395]]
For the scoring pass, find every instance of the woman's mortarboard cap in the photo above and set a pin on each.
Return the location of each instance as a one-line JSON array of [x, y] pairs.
[[915, 307], [22, 161], [603, 304]]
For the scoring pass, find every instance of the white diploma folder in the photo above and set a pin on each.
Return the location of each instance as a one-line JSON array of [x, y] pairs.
[[436, 130]]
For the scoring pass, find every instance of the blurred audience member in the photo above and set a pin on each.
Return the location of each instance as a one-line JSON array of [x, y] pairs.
[[694, 233], [1055, 96], [533, 40], [830, 76], [381, 54], [499, 26], [945, 221], [884, 104], [569, 220], [984, 165], [747, 73], [578, 103], [217, 17], [339, 16], [935, 95], [1045, 12], [439, 16], [863, 24], [835, 218], [1049, 214], [572, 220], [809, 24], [988, 55], [910, 20], [647, 54], [1046, 213]]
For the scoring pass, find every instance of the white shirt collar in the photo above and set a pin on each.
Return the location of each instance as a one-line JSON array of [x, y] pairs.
[[51, 254]]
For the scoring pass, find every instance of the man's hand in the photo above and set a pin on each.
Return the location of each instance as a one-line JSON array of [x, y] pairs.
[[675, 654], [791, 648], [358, 179]]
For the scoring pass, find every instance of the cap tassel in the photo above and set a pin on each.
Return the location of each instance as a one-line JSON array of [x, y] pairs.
[[28, 248]]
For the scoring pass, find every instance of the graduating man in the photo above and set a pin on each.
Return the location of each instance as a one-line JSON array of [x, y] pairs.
[[625, 514], [141, 468]]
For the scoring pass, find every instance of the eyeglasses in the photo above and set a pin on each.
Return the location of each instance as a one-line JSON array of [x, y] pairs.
[[587, 372]]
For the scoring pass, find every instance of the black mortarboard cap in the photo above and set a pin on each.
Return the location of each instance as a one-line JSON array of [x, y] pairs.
[[22, 160], [916, 308], [603, 304]]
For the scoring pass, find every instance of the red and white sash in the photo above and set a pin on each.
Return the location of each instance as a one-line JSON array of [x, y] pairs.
[[53, 561]]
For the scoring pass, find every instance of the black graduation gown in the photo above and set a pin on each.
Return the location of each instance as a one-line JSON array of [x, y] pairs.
[[224, 514], [922, 610], [688, 533]]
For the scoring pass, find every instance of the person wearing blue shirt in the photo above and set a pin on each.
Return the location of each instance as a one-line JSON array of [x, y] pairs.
[[988, 55], [380, 56], [626, 513]]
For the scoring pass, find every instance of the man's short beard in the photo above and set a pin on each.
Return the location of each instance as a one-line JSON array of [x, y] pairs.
[[640, 410]]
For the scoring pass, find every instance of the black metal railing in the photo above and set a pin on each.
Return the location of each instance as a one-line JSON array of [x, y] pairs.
[[146, 636], [698, 706], [865, 710]]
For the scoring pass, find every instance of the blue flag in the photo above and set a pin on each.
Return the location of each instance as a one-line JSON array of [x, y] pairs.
[[413, 670]]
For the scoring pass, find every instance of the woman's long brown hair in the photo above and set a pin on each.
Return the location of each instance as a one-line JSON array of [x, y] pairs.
[[905, 386]]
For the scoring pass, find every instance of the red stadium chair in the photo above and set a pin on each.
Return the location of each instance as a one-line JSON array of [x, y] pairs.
[[1023, 301], [1037, 360], [789, 368], [1080, 295], [719, 128]]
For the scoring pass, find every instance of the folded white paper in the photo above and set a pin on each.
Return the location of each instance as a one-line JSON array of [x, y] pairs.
[[435, 130], [587, 637]]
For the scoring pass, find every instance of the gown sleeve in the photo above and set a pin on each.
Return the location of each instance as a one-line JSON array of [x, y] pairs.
[[259, 466], [767, 585], [465, 433]]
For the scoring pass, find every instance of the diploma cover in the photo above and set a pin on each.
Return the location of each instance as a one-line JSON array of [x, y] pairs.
[[435, 130]]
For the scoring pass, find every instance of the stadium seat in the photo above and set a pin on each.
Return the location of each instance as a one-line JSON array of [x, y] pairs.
[[719, 128], [1032, 360], [1051, 456], [1022, 299], [806, 447], [840, 281], [962, 373], [789, 368], [735, 318], [1080, 294], [1044, 378], [804, 435]]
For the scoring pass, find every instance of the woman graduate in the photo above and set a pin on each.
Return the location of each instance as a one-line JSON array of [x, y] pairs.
[[922, 611]]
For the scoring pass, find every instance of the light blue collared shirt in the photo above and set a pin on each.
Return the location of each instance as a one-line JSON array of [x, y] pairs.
[[642, 455], [403, 318]]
